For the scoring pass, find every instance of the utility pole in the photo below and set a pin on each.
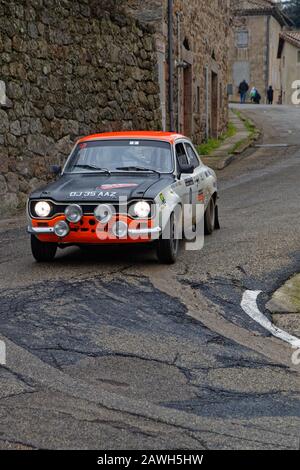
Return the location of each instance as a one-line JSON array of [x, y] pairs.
[[171, 64]]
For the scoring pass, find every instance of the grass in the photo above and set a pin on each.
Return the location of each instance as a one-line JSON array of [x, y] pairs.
[[248, 124], [213, 144]]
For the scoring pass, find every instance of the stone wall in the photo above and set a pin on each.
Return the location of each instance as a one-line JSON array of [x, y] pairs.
[[68, 68]]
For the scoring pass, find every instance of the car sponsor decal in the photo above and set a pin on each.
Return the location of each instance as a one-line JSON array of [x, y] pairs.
[[116, 186], [189, 182], [201, 197], [162, 198], [93, 194]]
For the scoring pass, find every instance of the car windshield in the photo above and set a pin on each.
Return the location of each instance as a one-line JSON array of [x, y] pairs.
[[120, 155]]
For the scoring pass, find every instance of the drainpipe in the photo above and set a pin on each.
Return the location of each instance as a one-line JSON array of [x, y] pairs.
[[179, 70], [268, 54], [171, 64], [207, 102]]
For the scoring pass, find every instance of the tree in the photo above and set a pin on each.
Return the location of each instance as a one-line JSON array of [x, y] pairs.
[[292, 9]]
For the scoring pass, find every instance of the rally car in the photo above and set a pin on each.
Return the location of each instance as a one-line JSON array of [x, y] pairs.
[[129, 187]]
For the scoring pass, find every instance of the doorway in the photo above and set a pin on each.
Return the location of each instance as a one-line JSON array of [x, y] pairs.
[[214, 105]]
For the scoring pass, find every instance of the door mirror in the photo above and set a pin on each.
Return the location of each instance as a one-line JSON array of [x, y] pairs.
[[55, 170], [186, 169]]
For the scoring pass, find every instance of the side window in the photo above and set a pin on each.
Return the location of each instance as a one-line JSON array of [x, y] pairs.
[[192, 155], [181, 155]]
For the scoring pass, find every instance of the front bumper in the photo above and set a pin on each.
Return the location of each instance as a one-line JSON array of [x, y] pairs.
[[132, 232], [39, 230], [89, 231]]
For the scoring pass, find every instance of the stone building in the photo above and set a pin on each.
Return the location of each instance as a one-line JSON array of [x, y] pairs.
[[74, 67], [256, 26], [289, 56], [197, 104]]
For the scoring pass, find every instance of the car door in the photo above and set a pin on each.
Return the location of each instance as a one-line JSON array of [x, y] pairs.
[[186, 184], [199, 175]]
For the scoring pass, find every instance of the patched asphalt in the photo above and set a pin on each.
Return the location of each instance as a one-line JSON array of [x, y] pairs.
[[111, 350]]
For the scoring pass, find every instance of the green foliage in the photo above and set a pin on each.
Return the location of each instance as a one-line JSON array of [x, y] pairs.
[[213, 144]]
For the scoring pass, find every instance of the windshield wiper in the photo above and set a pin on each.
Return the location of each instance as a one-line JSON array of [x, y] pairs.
[[137, 168], [91, 167]]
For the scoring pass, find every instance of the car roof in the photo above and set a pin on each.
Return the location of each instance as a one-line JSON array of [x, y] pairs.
[[152, 135]]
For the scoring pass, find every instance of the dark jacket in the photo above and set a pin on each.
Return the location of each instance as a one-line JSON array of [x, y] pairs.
[[244, 87], [270, 94]]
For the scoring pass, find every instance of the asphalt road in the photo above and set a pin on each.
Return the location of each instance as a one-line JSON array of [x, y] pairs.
[[113, 351]]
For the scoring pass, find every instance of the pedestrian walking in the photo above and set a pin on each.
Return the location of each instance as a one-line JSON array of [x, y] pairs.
[[270, 95], [243, 89]]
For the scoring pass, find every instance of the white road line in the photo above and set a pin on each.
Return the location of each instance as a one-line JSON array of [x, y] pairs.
[[249, 305]]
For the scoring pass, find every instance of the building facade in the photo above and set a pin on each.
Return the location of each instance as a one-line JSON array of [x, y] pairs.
[[289, 57], [197, 104], [256, 27]]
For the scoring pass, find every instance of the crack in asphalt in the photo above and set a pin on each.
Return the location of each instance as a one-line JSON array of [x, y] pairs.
[[14, 395], [20, 377], [26, 445]]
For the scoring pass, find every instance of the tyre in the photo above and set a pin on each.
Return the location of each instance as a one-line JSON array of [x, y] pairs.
[[41, 251], [167, 246], [210, 218], [217, 221]]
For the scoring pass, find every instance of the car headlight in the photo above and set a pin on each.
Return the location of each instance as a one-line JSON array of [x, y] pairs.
[[142, 209], [103, 213], [42, 209], [73, 213], [61, 229], [120, 229]]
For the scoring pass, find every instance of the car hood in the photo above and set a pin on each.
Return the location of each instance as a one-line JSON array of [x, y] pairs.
[[92, 187]]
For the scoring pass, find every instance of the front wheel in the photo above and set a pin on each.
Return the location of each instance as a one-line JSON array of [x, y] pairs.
[[167, 245], [210, 218], [42, 251]]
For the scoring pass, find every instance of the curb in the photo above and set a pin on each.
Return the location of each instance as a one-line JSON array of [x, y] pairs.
[[284, 306], [221, 162], [249, 142], [218, 163]]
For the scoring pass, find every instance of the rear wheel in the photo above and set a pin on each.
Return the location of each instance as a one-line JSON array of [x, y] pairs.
[[42, 251], [167, 245], [210, 218]]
